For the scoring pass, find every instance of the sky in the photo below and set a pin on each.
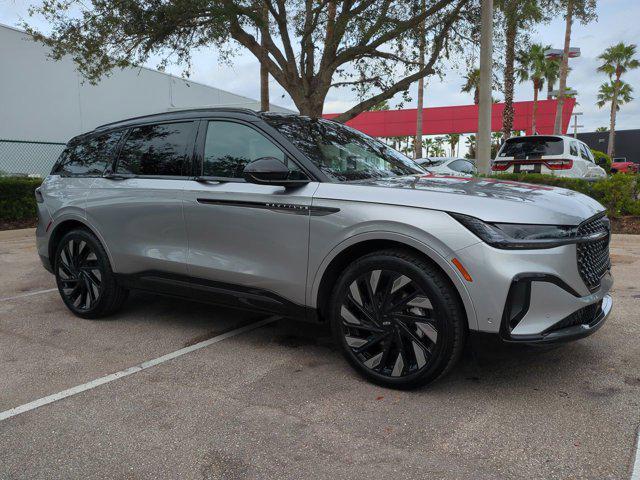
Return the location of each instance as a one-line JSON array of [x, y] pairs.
[[618, 20]]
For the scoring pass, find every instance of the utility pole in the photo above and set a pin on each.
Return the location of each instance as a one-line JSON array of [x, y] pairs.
[[483, 145]]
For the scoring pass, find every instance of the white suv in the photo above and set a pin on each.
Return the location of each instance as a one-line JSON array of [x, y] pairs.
[[550, 154]]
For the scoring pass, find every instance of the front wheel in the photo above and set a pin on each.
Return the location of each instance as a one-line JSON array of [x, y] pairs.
[[84, 277], [397, 319]]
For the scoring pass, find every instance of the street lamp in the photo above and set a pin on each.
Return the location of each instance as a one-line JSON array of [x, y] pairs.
[[556, 53]]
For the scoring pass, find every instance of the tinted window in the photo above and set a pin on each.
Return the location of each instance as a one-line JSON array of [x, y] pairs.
[[230, 146], [462, 166], [586, 154], [89, 157], [521, 148], [573, 149], [341, 152], [157, 150]]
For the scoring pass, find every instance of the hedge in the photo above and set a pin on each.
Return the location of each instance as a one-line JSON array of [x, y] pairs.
[[618, 192], [17, 200]]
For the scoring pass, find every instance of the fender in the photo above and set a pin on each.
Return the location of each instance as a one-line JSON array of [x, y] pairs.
[[79, 216], [435, 256]]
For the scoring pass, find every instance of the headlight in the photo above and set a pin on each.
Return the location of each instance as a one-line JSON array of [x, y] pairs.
[[521, 236]]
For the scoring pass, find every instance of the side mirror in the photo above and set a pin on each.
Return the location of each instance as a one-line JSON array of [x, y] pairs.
[[270, 171]]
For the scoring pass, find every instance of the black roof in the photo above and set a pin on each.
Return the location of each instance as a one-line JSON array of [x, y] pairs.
[[177, 115]]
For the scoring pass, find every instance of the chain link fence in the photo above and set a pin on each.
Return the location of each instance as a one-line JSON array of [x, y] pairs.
[[24, 158]]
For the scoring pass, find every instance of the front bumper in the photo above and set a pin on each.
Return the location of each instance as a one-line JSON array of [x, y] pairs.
[[533, 296]]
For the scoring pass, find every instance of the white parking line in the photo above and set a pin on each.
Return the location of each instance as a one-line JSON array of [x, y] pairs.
[[29, 294], [131, 370], [635, 472]]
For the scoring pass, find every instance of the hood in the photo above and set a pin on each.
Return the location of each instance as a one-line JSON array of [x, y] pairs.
[[489, 199]]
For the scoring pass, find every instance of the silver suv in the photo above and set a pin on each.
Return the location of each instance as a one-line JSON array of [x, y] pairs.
[[316, 221]]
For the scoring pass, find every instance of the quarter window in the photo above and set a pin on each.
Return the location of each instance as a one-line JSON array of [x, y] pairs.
[[157, 150], [573, 149], [89, 157], [230, 146], [586, 154]]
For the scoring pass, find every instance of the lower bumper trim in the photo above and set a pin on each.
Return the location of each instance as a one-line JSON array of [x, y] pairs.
[[569, 333]]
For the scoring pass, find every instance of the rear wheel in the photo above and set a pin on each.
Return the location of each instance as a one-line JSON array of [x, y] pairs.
[[397, 319], [84, 277]]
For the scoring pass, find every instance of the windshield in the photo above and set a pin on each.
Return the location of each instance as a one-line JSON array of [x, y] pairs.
[[521, 148], [342, 153]]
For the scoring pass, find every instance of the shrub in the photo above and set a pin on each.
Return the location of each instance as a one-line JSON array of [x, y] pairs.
[[602, 159], [17, 200], [617, 193]]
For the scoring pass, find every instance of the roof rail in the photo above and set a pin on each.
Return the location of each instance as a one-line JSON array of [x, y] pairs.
[[172, 112]]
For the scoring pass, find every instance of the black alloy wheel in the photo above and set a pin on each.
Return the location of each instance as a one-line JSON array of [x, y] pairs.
[[80, 274], [84, 277], [397, 319]]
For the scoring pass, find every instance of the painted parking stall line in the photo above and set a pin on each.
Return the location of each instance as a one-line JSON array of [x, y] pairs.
[[28, 294], [131, 370]]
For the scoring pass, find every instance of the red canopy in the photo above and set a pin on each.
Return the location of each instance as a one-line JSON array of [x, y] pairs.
[[458, 119]]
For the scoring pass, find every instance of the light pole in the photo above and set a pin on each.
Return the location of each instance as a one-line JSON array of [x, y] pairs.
[[483, 144]]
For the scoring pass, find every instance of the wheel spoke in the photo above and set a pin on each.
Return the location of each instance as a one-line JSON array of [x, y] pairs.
[[371, 342], [388, 323]]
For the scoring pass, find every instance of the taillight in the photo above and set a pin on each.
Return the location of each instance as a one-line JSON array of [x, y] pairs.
[[559, 164], [499, 166]]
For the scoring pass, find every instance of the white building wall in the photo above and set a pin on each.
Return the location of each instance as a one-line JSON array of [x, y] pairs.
[[44, 100]]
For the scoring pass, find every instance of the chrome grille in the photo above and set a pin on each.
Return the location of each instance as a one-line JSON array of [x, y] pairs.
[[593, 257]]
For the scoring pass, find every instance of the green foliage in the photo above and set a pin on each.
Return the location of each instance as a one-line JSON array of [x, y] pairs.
[[17, 200], [602, 159], [618, 193]]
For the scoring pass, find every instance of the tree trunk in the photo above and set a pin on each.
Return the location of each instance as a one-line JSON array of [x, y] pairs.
[[417, 143], [564, 69], [476, 96], [509, 80], [535, 106], [264, 71], [611, 147], [549, 90]]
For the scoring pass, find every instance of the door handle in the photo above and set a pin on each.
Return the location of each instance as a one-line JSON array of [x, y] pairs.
[[118, 176]]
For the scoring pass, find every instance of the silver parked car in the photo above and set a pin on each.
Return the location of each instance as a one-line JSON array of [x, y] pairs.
[[316, 221]]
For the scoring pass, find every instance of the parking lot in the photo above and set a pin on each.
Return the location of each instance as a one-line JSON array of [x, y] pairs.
[[278, 401]]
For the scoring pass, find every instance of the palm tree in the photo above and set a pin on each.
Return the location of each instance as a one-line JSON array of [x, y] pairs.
[[437, 149], [472, 84], [616, 93], [453, 139], [616, 60], [519, 15], [532, 65]]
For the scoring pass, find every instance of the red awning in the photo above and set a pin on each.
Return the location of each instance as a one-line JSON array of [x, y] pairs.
[[458, 119]]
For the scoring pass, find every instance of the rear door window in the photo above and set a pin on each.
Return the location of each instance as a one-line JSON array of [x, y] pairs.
[[157, 150], [532, 147], [89, 157]]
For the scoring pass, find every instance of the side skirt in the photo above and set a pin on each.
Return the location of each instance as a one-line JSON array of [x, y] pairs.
[[217, 293]]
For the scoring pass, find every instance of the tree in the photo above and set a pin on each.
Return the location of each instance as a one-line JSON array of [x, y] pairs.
[[472, 84], [422, 45], [602, 129], [453, 139], [585, 11], [616, 93], [264, 69], [616, 60], [470, 143], [437, 149], [518, 16], [532, 65], [313, 46], [552, 72]]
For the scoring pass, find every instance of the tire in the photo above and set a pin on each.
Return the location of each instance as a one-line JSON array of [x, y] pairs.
[[414, 331], [84, 277]]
